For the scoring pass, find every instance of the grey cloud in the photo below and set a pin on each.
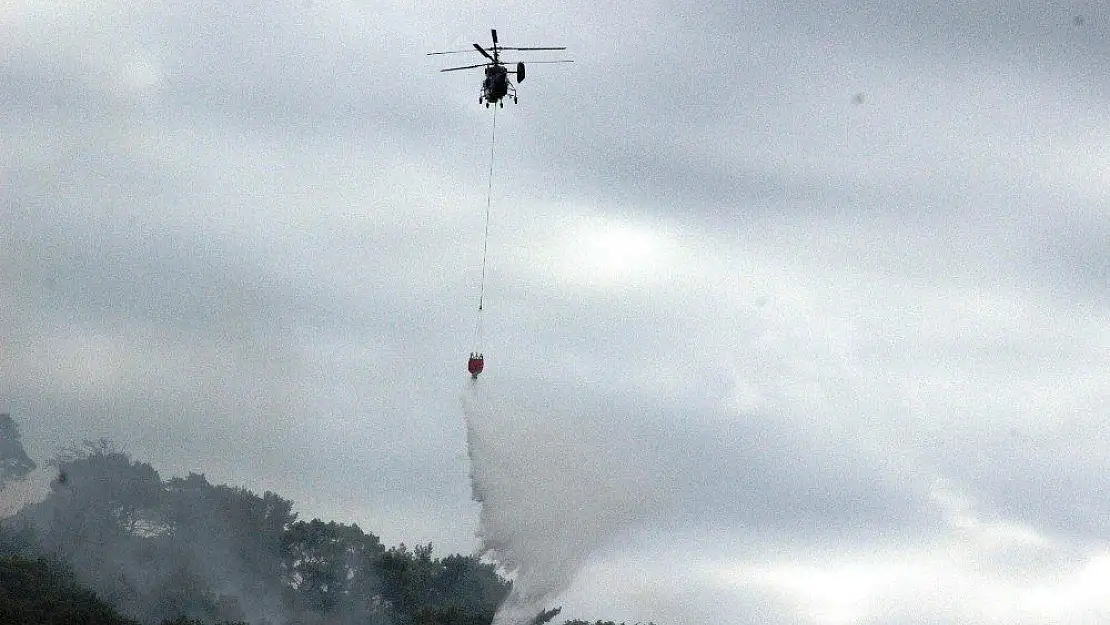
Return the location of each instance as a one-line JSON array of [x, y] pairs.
[[244, 240]]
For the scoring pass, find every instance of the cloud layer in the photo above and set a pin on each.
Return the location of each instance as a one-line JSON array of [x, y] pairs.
[[785, 302]]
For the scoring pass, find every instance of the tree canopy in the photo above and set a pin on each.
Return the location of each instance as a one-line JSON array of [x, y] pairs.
[[165, 550], [46, 593], [113, 543]]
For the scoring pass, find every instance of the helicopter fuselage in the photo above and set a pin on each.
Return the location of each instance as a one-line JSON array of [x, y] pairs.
[[496, 84]]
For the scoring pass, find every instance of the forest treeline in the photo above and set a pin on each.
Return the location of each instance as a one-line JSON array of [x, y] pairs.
[[164, 550], [113, 543]]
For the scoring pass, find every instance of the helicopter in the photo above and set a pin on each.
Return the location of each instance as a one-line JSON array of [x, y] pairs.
[[497, 86]]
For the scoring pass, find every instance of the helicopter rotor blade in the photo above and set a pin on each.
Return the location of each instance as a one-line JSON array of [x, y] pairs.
[[454, 69], [544, 48], [483, 51], [467, 51], [554, 61]]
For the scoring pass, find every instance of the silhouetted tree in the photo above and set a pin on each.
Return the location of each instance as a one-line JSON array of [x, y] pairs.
[[186, 552], [17, 538], [425, 590], [45, 593], [163, 550], [332, 569], [99, 516], [232, 539], [15, 464], [471, 585], [545, 616]]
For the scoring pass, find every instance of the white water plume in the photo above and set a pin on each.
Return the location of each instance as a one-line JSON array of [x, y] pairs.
[[569, 475], [534, 469]]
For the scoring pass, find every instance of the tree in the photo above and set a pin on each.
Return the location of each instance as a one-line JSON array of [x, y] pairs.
[[471, 585], [18, 539], [45, 593], [101, 516], [456, 589], [330, 567], [99, 502], [545, 615], [407, 578], [186, 552], [98, 483], [15, 464], [231, 538]]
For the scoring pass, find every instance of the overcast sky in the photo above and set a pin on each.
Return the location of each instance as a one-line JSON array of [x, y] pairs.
[[799, 312]]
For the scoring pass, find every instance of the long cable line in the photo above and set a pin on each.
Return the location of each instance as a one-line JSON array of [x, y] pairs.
[[479, 330]]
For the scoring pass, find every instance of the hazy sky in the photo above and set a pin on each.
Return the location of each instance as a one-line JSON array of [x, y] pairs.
[[798, 312]]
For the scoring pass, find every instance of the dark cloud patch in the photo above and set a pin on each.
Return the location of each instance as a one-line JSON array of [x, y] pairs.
[[1071, 254], [1030, 476], [1030, 34], [694, 462], [759, 473]]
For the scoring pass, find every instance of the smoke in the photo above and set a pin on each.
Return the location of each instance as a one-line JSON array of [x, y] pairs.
[[534, 468], [14, 496]]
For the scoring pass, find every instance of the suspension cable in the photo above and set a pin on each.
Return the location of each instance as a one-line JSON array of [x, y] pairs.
[[479, 330]]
